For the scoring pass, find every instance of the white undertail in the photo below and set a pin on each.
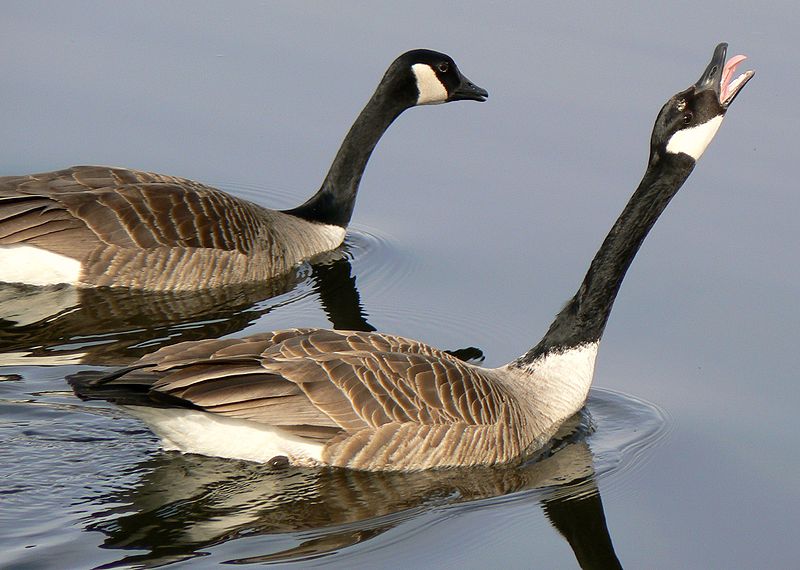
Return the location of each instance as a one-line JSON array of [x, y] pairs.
[[204, 433], [34, 266]]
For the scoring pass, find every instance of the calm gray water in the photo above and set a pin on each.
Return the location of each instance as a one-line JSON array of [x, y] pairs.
[[474, 224]]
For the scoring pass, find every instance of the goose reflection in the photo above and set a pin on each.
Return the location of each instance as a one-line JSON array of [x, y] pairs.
[[184, 504], [114, 326]]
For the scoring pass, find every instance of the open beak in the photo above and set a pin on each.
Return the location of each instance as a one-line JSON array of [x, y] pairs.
[[718, 74]]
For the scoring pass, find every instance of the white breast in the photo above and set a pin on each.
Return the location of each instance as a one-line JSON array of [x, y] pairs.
[[330, 236], [556, 386]]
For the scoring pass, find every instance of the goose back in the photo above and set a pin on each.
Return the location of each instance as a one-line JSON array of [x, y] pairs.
[[366, 400], [93, 226], [140, 229]]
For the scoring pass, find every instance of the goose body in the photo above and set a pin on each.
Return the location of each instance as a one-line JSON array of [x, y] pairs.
[[373, 401], [100, 226], [93, 226], [361, 400]]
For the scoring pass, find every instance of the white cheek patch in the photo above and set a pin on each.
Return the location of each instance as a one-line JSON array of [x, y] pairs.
[[695, 140], [430, 89], [34, 266]]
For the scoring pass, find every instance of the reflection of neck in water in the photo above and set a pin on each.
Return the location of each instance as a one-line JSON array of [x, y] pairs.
[[115, 326], [338, 294], [184, 504], [336, 286], [581, 521]]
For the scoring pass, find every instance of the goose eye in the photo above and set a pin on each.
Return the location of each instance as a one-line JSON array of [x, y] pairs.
[[444, 66], [687, 118]]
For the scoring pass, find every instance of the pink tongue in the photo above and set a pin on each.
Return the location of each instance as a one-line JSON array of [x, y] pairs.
[[727, 74]]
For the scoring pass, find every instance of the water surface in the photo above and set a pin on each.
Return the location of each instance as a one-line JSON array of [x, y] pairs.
[[474, 224]]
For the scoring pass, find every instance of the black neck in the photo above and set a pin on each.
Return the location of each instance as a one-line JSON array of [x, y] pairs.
[[584, 317], [334, 202]]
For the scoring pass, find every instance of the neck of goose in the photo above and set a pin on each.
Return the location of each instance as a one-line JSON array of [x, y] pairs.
[[334, 202], [564, 358]]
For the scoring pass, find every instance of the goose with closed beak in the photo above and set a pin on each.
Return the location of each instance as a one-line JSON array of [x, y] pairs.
[[374, 401], [92, 226]]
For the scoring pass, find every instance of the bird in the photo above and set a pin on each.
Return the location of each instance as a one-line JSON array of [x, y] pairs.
[[95, 226], [378, 402]]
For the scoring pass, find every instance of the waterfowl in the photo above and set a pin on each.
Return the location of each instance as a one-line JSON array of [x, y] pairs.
[[93, 226], [374, 401]]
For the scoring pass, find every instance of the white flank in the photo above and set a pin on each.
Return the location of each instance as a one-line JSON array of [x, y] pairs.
[[557, 385], [695, 140], [204, 433], [430, 89], [34, 266]]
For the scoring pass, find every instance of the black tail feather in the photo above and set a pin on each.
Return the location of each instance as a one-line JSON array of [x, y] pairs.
[[124, 387], [97, 378]]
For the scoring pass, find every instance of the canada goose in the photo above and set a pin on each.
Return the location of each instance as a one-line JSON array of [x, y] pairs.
[[372, 401], [100, 226]]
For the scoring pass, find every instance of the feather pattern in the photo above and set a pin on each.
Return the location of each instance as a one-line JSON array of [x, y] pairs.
[[96, 226], [377, 401], [373, 401], [139, 229]]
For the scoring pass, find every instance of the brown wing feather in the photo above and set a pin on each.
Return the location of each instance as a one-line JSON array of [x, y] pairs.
[[126, 208], [377, 401], [39, 221], [138, 229], [353, 380]]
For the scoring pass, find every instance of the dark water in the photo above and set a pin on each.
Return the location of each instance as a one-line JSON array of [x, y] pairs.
[[474, 224]]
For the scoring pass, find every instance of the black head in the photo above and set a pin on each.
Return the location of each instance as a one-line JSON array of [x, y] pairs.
[[428, 77], [689, 120]]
